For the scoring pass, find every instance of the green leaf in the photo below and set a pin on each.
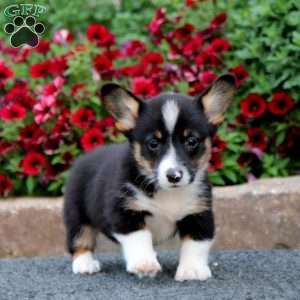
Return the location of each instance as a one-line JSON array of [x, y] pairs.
[[216, 178], [55, 186], [30, 184], [293, 82], [280, 138], [230, 174]]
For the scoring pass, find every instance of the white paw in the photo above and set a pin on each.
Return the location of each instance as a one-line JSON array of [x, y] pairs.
[[193, 272], [147, 266], [85, 264]]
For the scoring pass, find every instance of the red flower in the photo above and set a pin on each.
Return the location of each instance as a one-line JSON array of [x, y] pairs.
[[183, 33], [91, 139], [100, 35], [19, 94], [33, 163], [6, 185], [105, 123], [102, 63], [112, 54], [220, 45], [257, 138], [240, 74], [32, 135], [156, 23], [218, 145], [281, 103], [191, 3], [83, 117], [132, 71], [6, 147], [43, 47], [216, 162], [152, 58], [207, 77], [218, 20], [13, 112], [58, 65], [133, 48], [40, 70], [192, 46], [207, 57], [196, 88], [253, 106], [144, 87], [5, 73]]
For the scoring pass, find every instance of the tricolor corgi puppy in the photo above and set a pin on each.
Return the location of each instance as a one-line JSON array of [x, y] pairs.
[[152, 187]]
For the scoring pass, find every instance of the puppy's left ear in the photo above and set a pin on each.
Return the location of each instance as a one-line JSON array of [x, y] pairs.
[[122, 104], [216, 99]]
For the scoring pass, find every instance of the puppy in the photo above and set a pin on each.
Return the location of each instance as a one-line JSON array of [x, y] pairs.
[[146, 190]]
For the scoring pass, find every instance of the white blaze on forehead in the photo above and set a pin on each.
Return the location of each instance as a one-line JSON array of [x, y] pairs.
[[170, 112]]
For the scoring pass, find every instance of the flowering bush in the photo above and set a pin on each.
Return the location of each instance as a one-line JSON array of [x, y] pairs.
[[264, 36], [50, 110]]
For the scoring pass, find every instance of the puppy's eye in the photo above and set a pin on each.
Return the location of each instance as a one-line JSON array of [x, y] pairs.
[[191, 143], [153, 144]]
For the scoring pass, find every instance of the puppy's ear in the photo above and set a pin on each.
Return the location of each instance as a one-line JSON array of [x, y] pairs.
[[216, 99], [122, 104]]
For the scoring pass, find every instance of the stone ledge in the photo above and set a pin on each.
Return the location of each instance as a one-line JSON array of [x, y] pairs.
[[260, 215]]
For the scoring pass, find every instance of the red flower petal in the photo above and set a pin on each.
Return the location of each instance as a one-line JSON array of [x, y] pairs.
[[33, 163], [6, 184], [83, 117], [281, 103], [13, 112], [100, 35], [257, 138], [253, 106], [91, 139], [142, 86]]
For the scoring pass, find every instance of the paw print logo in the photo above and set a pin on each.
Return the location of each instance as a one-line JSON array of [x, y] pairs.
[[24, 31]]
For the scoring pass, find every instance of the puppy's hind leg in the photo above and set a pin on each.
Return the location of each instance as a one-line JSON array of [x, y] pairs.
[[84, 245]]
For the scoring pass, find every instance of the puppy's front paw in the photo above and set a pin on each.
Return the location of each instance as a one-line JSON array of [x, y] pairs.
[[147, 266], [85, 264], [193, 272]]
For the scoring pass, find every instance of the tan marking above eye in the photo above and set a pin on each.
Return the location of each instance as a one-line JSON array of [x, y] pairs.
[[158, 134], [186, 132]]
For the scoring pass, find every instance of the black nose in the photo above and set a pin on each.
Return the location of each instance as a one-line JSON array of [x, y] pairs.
[[174, 175]]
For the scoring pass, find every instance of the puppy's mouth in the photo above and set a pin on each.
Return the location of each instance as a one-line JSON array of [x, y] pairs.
[[173, 186]]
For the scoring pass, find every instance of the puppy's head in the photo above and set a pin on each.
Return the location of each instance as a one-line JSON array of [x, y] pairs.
[[170, 134]]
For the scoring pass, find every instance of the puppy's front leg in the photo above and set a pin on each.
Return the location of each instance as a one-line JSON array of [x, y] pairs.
[[196, 232], [138, 252]]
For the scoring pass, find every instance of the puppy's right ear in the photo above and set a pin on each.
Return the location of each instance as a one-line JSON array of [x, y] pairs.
[[122, 104]]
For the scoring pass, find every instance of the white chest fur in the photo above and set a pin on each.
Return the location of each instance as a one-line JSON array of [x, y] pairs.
[[167, 207]]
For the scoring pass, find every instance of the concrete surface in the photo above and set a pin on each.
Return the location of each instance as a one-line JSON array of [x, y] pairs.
[[245, 275], [263, 214]]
